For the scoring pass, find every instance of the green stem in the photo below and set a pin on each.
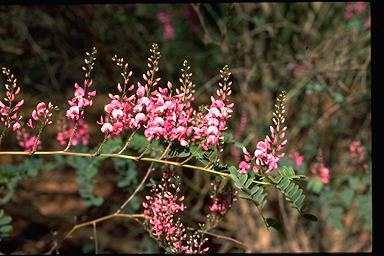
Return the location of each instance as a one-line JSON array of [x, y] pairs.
[[191, 156], [72, 136], [165, 151], [37, 140], [97, 153], [2, 134], [145, 159], [127, 143], [145, 150]]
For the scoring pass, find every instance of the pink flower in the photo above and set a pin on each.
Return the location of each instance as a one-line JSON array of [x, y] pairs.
[[140, 117], [73, 112], [243, 167], [107, 128], [16, 126]]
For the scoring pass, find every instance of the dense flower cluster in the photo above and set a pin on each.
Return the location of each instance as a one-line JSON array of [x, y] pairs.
[[268, 152], [9, 114], [357, 154], [65, 131], [161, 207], [165, 116], [319, 169]]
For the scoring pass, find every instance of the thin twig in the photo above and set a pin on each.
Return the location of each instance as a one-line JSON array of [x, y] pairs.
[[92, 222], [72, 136], [145, 150], [95, 237], [97, 153], [136, 190], [165, 151], [225, 238]]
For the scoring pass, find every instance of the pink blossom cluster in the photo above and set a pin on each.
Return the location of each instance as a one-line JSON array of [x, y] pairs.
[[26, 140], [81, 136], [268, 152], [357, 8], [80, 101], [161, 207], [165, 116], [42, 113], [357, 152], [352, 8], [215, 121], [319, 169], [9, 114], [297, 157], [165, 19]]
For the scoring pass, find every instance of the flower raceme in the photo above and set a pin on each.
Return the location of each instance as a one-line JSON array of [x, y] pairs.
[[165, 116], [161, 206], [9, 113], [268, 151], [357, 154], [81, 101]]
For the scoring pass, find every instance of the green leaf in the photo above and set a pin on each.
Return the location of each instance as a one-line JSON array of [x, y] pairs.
[[310, 217], [5, 220], [6, 229], [336, 217], [177, 150], [97, 201], [292, 193]]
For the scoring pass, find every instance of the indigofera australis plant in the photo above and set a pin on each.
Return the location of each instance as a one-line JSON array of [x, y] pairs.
[[163, 112]]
